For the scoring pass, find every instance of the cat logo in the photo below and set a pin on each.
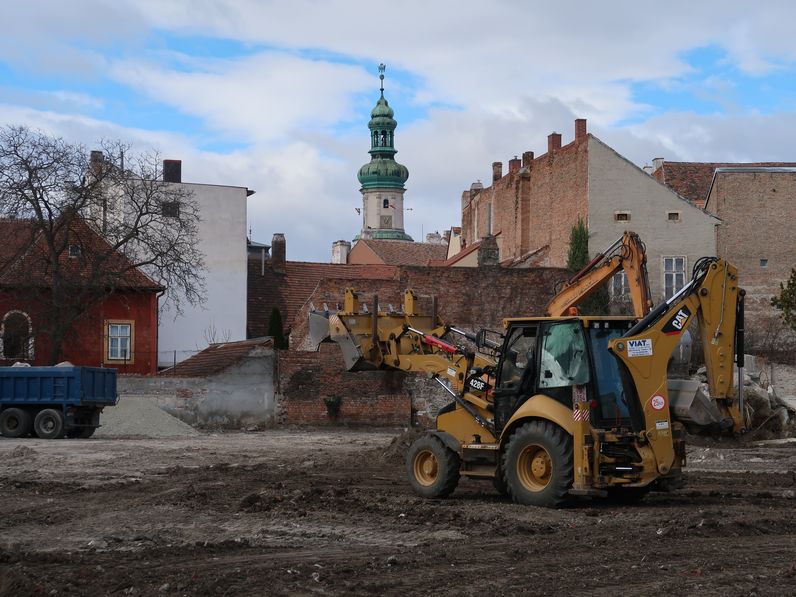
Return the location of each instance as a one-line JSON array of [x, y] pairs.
[[676, 324]]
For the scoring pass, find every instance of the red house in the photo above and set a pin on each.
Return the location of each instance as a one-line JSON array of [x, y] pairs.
[[111, 315]]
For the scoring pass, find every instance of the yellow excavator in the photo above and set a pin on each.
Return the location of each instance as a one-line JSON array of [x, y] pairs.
[[564, 405]]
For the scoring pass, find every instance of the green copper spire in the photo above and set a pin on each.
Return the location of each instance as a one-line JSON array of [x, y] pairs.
[[382, 171]]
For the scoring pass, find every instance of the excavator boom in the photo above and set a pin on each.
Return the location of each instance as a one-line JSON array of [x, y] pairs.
[[625, 254]]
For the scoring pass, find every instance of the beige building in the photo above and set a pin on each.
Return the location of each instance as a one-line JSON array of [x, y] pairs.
[[531, 209]]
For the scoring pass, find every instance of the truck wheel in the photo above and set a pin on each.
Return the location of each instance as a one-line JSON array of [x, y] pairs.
[[15, 422], [432, 467], [49, 424], [537, 464]]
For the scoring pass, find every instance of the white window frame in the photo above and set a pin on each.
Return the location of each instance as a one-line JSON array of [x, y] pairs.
[[619, 288], [617, 215], [116, 352], [673, 273]]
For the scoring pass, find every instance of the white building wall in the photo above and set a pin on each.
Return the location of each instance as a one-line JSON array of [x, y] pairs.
[[618, 185], [222, 240]]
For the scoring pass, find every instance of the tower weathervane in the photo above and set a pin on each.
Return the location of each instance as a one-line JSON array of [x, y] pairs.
[[382, 67]]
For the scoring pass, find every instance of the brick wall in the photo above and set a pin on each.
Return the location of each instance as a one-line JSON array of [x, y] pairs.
[[757, 211], [308, 380], [533, 205], [468, 297]]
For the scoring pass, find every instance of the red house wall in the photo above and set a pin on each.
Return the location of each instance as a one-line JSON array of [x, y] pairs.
[[86, 345]]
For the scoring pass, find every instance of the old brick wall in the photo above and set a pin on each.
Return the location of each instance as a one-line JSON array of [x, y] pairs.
[[535, 206], [471, 298], [311, 382], [757, 211]]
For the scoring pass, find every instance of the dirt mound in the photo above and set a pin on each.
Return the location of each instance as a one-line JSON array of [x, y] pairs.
[[399, 446], [140, 417], [22, 452]]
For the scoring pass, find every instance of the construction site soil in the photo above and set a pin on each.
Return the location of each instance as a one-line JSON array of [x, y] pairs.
[[298, 512]]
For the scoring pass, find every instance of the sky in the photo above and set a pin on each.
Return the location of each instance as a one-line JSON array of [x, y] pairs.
[[276, 95]]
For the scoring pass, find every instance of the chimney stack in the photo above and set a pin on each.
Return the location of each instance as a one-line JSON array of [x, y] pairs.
[[657, 163], [527, 159], [172, 170], [278, 252], [488, 252], [340, 250], [580, 129], [514, 165], [95, 162], [553, 142], [497, 171]]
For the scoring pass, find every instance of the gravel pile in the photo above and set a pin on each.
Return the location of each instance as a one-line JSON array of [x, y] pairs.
[[137, 416]]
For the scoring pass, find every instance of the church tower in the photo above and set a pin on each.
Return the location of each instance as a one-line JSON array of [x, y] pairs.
[[383, 178]]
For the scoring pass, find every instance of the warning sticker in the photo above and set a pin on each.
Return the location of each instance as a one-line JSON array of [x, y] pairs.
[[578, 394], [661, 425], [639, 348], [658, 402], [451, 372]]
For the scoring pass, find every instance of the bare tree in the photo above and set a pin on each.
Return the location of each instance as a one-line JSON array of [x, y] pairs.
[[95, 221]]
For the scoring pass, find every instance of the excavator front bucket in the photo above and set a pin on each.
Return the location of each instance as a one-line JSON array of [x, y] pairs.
[[325, 326], [691, 406]]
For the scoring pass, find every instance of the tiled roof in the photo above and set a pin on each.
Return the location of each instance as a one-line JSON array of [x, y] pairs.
[[217, 357], [290, 290], [691, 180], [25, 262], [397, 252]]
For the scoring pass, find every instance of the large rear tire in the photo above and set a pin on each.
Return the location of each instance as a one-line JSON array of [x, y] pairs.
[[15, 422], [49, 424], [537, 465], [432, 467]]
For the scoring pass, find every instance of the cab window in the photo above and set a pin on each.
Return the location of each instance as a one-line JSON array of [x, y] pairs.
[[518, 357], [563, 360]]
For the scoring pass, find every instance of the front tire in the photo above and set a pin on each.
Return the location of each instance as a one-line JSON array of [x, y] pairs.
[[49, 424], [537, 465], [15, 422], [432, 467]]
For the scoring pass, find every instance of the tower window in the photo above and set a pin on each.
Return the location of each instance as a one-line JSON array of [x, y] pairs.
[[386, 203]]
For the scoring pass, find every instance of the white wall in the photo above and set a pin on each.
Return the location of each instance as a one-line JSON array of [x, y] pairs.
[[616, 184], [222, 238]]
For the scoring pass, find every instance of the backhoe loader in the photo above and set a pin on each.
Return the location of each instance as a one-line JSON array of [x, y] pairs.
[[561, 406]]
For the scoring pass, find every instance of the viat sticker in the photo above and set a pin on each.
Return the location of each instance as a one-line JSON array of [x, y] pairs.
[[658, 402], [639, 348]]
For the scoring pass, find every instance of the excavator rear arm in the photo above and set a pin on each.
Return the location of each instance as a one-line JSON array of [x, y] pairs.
[[625, 254]]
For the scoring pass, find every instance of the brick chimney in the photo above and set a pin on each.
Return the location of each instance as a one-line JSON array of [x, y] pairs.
[[95, 162], [527, 159], [172, 170], [497, 171], [580, 129], [278, 252], [488, 252], [514, 165], [553, 142], [657, 163]]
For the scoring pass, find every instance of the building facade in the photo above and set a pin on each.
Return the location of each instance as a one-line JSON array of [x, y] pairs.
[[531, 209], [223, 241]]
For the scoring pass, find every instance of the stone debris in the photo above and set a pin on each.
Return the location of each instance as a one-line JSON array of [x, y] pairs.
[[772, 416], [140, 417]]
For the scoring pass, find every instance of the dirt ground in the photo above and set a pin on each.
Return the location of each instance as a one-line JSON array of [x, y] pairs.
[[294, 512]]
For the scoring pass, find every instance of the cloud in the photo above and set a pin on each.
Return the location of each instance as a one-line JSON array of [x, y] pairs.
[[258, 98]]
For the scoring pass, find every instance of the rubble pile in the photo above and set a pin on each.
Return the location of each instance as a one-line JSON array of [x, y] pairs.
[[772, 411]]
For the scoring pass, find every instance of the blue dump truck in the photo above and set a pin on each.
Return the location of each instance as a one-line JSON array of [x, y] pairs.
[[53, 402]]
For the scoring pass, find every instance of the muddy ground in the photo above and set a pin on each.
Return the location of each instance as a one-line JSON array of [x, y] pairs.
[[304, 512]]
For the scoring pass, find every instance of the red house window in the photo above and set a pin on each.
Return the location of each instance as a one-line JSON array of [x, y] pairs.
[[119, 341]]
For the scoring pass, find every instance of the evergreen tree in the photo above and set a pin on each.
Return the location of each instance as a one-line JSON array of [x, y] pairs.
[[577, 258], [276, 329], [786, 301]]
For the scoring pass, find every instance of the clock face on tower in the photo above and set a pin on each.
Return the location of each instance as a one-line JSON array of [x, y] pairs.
[[386, 222]]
